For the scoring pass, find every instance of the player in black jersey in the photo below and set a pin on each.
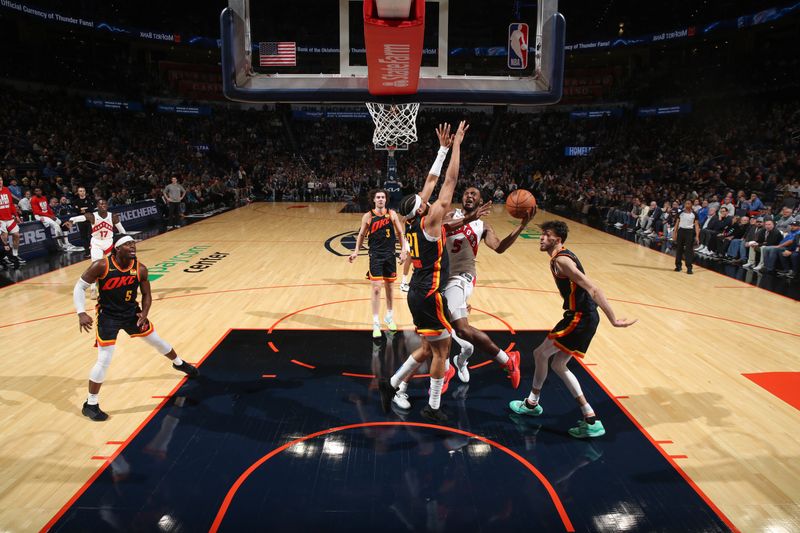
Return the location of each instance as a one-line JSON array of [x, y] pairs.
[[425, 301], [120, 276], [383, 228], [572, 336]]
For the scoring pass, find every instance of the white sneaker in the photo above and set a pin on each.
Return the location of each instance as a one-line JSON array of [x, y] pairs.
[[618, 225], [462, 371], [404, 287], [748, 265], [400, 399], [759, 268], [21, 260]]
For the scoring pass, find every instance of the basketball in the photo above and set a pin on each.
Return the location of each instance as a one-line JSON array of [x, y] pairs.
[[519, 203]]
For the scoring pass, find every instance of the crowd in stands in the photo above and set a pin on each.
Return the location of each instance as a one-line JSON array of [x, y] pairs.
[[739, 165]]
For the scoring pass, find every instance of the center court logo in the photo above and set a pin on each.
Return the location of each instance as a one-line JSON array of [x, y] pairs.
[[343, 244]]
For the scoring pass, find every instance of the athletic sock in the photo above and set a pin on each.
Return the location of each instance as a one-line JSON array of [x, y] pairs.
[[92, 399], [389, 316], [501, 357], [434, 400], [533, 398], [177, 361], [405, 279], [376, 320], [409, 366], [403, 386], [588, 413]]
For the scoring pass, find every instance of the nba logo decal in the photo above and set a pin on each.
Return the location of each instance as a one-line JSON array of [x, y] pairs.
[[518, 45]]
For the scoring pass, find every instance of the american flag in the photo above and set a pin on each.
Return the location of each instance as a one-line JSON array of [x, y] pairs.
[[280, 54]]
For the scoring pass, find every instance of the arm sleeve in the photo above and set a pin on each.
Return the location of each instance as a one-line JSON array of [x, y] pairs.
[[78, 296]]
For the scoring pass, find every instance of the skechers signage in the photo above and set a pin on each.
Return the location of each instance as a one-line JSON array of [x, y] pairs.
[[36, 241]]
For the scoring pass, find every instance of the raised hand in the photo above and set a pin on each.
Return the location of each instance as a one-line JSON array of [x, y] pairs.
[[443, 132], [461, 131], [529, 216], [483, 210]]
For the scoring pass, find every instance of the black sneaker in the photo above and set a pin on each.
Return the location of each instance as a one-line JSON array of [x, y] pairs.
[[387, 393], [434, 415], [186, 368], [93, 412], [677, 269], [689, 271]]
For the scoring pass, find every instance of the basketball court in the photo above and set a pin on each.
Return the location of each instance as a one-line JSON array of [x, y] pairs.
[[284, 430]]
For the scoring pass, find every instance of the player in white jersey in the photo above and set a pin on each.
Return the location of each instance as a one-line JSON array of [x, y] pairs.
[[103, 224], [465, 230]]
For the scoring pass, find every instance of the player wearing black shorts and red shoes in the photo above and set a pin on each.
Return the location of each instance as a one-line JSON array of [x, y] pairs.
[[119, 278], [426, 238], [573, 334], [383, 228]]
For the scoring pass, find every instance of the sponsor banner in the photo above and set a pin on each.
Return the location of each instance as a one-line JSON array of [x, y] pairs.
[[745, 21], [309, 114], [183, 110], [35, 240], [664, 110], [98, 103], [595, 113], [578, 151]]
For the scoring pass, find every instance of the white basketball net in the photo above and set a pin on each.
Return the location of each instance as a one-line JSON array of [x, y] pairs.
[[395, 124]]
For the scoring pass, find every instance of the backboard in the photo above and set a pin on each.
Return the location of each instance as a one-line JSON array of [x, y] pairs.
[[314, 51]]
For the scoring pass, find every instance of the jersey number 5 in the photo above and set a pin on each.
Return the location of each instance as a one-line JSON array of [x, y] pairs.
[[128, 295], [457, 246]]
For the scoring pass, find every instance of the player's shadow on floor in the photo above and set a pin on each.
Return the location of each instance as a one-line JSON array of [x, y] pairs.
[[681, 407], [311, 320], [355, 280], [59, 391], [166, 292], [631, 265]]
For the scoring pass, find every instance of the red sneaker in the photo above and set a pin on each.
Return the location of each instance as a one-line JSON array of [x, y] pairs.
[[451, 371], [512, 367]]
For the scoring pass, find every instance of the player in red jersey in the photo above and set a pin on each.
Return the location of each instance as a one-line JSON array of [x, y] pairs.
[[44, 214], [9, 224]]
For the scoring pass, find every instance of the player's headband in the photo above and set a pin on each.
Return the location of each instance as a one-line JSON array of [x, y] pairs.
[[417, 205], [123, 240]]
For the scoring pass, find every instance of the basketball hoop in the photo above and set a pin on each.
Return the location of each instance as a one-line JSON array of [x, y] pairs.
[[395, 124]]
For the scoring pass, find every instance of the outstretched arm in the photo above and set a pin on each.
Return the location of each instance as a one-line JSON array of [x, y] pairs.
[[567, 267], [442, 204], [118, 223], [454, 223], [494, 242], [445, 139], [361, 234]]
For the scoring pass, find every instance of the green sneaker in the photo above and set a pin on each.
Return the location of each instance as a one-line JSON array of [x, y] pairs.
[[390, 324], [519, 407], [585, 431], [376, 331]]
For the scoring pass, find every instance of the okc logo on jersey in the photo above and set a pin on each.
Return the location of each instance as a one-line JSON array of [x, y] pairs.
[[517, 45]]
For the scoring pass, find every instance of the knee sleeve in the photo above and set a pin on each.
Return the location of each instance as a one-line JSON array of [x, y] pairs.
[[104, 354], [161, 346]]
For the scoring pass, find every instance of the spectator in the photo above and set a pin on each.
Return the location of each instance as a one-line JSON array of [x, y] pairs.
[[174, 194]]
